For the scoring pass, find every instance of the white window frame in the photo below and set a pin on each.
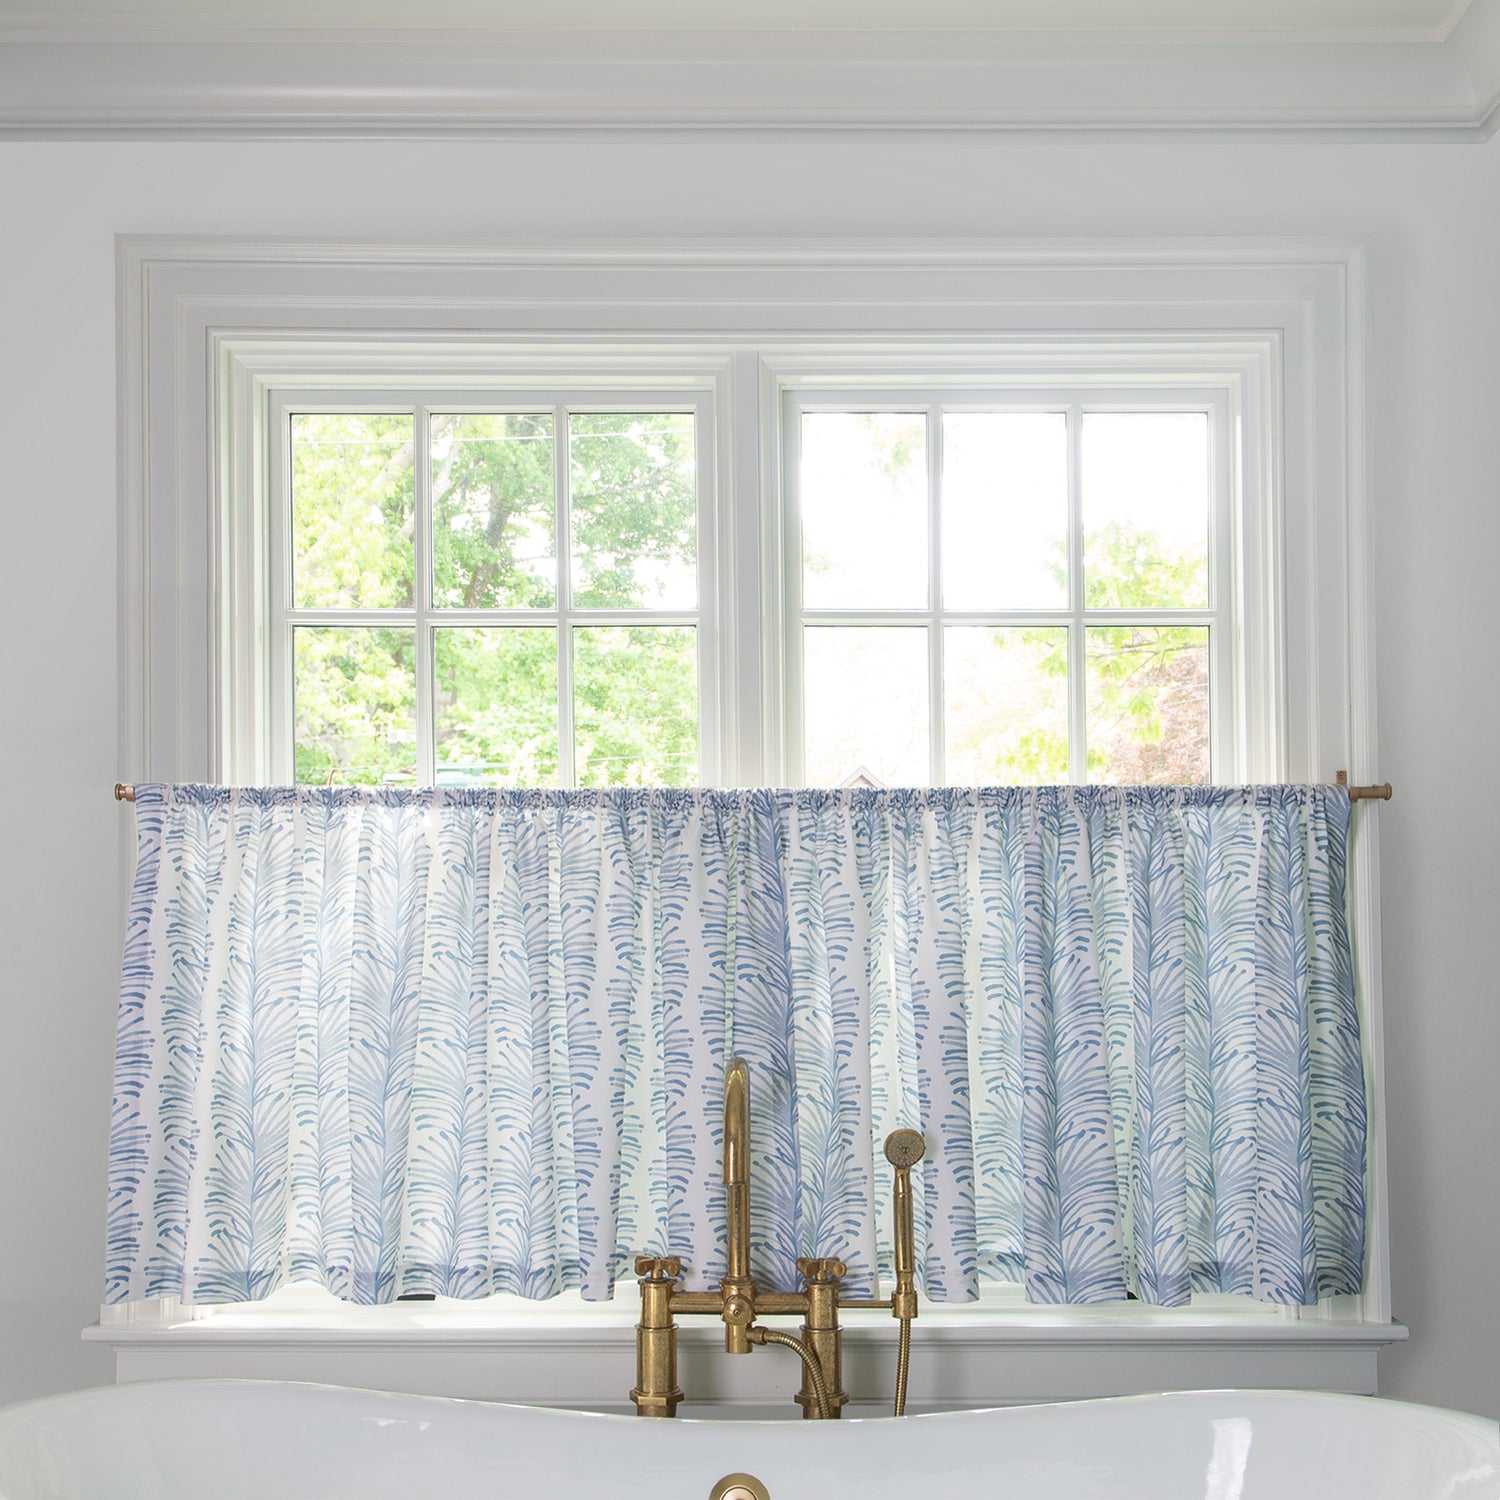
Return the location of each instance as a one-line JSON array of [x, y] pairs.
[[208, 328]]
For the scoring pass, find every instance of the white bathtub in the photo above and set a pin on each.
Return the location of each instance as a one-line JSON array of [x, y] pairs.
[[233, 1440]]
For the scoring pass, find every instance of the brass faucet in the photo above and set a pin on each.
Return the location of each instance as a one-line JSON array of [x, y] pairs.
[[739, 1300], [737, 1289]]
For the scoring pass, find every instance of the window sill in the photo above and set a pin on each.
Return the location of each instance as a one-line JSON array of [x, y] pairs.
[[582, 1354]]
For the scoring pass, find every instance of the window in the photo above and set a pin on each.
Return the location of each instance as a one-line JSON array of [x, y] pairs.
[[1037, 583], [478, 596], [1039, 590], [1260, 342]]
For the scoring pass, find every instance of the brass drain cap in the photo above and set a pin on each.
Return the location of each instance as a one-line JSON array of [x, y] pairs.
[[739, 1487]]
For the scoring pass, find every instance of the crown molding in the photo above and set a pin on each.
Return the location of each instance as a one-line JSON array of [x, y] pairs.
[[1476, 37], [1123, 21], [311, 84]]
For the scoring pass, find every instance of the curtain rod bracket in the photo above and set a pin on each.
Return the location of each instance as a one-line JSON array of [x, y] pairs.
[[1381, 793]]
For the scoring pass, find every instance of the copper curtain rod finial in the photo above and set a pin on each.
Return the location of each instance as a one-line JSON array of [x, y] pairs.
[[1381, 793], [124, 793]]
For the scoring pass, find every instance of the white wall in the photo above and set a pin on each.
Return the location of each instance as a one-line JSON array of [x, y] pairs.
[[1432, 219]]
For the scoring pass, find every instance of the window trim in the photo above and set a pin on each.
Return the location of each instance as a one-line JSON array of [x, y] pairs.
[[204, 329]]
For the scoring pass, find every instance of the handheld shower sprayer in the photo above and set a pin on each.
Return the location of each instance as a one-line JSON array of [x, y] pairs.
[[904, 1149]]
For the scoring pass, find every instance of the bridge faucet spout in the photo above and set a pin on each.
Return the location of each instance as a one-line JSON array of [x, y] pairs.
[[737, 1163], [737, 1289]]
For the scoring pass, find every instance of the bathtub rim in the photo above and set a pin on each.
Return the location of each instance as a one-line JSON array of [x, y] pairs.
[[142, 1390]]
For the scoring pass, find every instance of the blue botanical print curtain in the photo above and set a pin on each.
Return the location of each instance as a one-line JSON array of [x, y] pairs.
[[462, 1041]]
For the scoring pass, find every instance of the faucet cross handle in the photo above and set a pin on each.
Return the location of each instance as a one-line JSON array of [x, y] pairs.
[[821, 1269], [658, 1267]]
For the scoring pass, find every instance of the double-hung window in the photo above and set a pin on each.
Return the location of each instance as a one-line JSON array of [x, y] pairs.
[[898, 515], [980, 586]]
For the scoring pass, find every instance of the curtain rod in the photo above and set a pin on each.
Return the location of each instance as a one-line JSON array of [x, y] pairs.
[[1381, 793]]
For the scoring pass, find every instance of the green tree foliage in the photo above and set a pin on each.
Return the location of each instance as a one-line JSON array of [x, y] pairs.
[[353, 507], [635, 687], [634, 511], [1006, 688], [636, 715], [496, 697], [1148, 704], [494, 547], [494, 532], [1147, 685], [1007, 692], [355, 704]]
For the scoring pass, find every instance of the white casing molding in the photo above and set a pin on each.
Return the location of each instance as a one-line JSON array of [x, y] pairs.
[[206, 326], [1441, 85]]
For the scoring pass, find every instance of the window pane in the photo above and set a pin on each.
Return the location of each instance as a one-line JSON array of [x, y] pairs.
[[355, 705], [495, 705], [494, 543], [1148, 704], [634, 510], [1145, 510], [866, 707], [864, 510], [635, 705], [1005, 511], [1006, 699], [352, 511]]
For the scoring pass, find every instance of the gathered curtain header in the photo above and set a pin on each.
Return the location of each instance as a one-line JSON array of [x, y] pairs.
[[465, 1041]]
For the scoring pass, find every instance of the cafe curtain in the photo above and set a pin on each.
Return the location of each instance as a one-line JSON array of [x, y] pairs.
[[464, 1041]]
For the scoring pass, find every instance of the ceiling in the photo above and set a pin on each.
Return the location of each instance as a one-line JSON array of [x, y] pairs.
[[1287, 20]]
